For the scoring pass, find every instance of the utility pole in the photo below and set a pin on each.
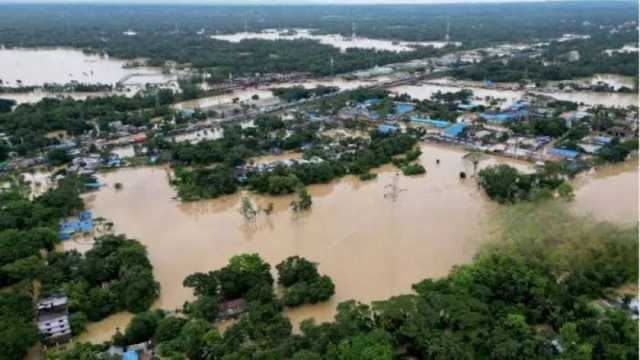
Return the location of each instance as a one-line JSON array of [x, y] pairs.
[[353, 30], [394, 189], [447, 37], [331, 64]]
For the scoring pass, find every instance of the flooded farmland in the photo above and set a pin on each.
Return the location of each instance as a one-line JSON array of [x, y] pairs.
[[35, 67]]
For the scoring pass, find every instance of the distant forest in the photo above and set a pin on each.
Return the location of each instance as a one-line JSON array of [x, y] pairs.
[[171, 32]]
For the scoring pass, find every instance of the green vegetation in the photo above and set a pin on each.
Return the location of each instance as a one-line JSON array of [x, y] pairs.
[[413, 169], [6, 105], [302, 283], [113, 276], [506, 184], [296, 93], [303, 200], [617, 151]]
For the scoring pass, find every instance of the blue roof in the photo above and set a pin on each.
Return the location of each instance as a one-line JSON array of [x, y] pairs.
[[565, 153], [468, 106], [453, 130], [85, 215], [501, 117], [402, 108], [602, 139], [386, 128], [373, 102], [433, 122], [130, 355], [373, 116], [83, 224]]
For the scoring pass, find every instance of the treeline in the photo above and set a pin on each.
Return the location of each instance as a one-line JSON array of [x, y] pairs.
[[295, 93], [529, 295], [83, 26], [115, 275], [555, 63]]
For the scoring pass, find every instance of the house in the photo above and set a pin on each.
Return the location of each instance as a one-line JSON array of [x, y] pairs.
[[388, 129], [68, 228], [232, 309], [454, 130], [53, 320], [563, 153], [438, 123]]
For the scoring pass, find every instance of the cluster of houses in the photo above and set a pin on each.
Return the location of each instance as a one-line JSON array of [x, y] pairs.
[[489, 131]]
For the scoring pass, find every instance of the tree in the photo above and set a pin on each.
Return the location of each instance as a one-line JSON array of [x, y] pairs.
[[247, 210], [57, 157], [474, 157], [500, 182], [303, 200], [142, 327], [296, 269]]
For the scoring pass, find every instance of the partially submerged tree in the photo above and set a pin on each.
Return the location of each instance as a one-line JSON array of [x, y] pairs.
[[248, 210], [474, 157]]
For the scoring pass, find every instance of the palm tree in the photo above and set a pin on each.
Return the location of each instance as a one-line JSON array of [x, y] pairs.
[[475, 157]]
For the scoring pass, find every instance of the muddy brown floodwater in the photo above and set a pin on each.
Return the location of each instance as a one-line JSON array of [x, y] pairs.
[[371, 246], [610, 193]]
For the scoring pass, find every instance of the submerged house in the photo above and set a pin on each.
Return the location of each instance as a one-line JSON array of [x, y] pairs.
[[83, 224], [232, 309]]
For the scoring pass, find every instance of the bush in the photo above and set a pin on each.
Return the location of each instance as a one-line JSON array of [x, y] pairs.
[[413, 169]]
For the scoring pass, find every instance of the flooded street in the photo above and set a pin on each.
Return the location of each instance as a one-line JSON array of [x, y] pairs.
[[34, 67], [610, 193]]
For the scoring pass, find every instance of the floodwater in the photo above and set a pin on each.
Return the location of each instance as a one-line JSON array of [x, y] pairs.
[[338, 41], [265, 93], [613, 80], [34, 67], [587, 97], [102, 331], [373, 247], [610, 193]]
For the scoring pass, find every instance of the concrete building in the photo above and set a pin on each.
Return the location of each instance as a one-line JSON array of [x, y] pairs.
[[53, 320]]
